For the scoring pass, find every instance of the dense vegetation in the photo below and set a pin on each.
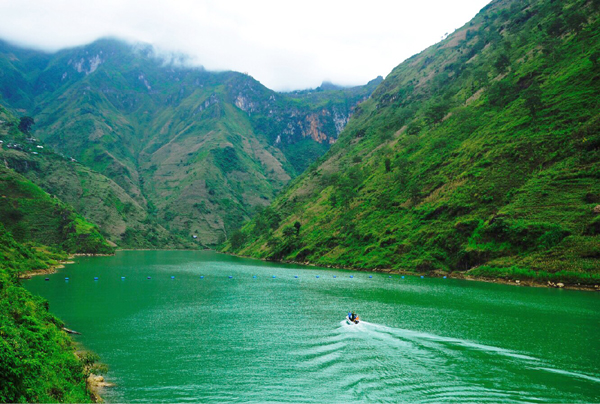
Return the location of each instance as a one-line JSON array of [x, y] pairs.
[[30, 214], [37, 362], [190, 152], [480, 154], [37, 231]]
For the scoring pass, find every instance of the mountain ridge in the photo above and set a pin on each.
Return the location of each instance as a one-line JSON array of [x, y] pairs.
[[477, 155], [229, 143]]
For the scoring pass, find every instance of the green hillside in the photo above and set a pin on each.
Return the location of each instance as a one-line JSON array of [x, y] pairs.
[[37, 231], [38, 362], [30, 214], [97, 198], [480, 154], [197, 151]]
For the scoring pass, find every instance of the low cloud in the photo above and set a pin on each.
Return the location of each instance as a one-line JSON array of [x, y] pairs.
[[285, 45]]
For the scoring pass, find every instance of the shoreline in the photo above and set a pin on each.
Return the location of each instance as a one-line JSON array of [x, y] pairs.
[[95, 384], [435, 274], [439, 274], [52, 269]]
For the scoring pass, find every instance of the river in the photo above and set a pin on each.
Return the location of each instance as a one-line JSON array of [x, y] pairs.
[[197, 326]]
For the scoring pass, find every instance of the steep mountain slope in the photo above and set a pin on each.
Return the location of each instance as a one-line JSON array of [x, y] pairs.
[[36, 230], [481, 153], [198, 150], [94, 196], [31, 215]]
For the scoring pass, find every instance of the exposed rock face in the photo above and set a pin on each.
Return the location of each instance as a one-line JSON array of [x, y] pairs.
[[199, 151], [416, 181], [314, 131], [293, 123], [95, 384], [244, 104], [85, 65]]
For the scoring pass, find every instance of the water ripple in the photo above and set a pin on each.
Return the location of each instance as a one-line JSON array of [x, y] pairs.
[[372, 362]]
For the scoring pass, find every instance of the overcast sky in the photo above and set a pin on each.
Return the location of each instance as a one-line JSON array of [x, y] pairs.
[[285, 45]]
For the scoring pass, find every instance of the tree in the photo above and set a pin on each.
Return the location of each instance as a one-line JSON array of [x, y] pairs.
[[237, 239], [388, 165], [533, 98], [297, 225], [502, 63], [289, 232], [436, 112], [501, 93], [594, 58], [556, 27], [576, 21], [413, 129], [414, 192], [25, 124]]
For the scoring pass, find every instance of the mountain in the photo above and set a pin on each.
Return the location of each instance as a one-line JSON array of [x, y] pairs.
[[99, 199], [30, 214], [33, 216], [481, 154], [37, 230], [198, 151]]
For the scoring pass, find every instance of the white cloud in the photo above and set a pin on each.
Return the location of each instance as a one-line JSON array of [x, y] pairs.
[[284, 44]]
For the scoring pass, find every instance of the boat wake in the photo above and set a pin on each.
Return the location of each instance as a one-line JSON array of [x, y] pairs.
[[372, 362]]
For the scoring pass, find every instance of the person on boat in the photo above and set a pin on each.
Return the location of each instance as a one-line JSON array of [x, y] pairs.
[[353, 317]]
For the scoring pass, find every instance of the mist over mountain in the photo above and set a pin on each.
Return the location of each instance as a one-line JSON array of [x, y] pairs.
[[198, 151]]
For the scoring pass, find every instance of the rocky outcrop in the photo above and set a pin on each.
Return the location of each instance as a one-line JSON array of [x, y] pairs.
[[95, 384]]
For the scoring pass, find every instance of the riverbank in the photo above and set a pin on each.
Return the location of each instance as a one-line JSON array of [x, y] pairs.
[[526, 282], [454, 274], [38, 363], [53, 268], [95, 384], [50, 270]]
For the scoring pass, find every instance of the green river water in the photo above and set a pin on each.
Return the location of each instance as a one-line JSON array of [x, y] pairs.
[[264, 335]]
